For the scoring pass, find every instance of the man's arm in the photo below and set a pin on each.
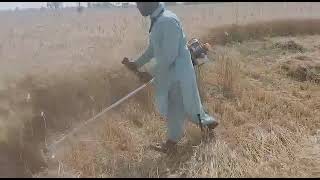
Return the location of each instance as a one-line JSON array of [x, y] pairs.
[[166, 48], [145, 57]]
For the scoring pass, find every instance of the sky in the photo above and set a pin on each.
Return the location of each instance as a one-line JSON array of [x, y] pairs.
[[23, 5]]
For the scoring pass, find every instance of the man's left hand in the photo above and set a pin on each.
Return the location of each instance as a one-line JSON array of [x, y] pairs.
[[144, 77]]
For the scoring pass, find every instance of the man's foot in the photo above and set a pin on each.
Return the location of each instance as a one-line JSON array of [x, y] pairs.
[[213, 125], [209, 130], [167, 147]]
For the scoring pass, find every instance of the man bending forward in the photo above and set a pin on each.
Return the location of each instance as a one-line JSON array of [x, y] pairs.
[[177, 94]]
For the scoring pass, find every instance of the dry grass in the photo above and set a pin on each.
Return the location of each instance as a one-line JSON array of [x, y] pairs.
[[69, 65], [261, 30], [262, 129], [227, 68]]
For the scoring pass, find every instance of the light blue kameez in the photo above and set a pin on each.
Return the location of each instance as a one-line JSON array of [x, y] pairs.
[[176, 91]]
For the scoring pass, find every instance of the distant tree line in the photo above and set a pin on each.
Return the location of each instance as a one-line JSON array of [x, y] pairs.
[[195, 3], [100, 5], [59, 5], [54, 5], [170, 3]]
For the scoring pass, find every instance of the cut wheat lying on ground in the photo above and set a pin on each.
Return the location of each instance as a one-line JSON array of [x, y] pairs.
[[263, 85]]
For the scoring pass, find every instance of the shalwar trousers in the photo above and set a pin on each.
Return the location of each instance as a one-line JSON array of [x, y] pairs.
[[176, 114]]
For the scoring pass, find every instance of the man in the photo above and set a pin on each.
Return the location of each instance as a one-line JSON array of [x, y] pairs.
[[175, 83]]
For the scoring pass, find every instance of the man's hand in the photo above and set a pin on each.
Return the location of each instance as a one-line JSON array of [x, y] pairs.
[[130, 65], [143, 76]]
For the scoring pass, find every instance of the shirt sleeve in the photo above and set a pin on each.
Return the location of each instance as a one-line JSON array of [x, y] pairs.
[[145, 57], [166, 46]]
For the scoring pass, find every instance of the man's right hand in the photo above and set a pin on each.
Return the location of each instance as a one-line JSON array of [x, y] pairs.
[[130, 64]]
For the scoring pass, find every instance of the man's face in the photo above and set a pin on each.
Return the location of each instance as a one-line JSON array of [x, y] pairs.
[[146, 8]]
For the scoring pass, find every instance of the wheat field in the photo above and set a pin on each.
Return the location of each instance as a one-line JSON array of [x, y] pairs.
[[59, 68]]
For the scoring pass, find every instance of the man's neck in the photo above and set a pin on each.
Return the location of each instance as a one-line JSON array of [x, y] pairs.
[[154, 9]]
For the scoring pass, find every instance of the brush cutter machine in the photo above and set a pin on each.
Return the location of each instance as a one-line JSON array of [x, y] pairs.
[[199, 52]]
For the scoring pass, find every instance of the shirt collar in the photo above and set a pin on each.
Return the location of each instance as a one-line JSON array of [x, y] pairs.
[[158, 10]]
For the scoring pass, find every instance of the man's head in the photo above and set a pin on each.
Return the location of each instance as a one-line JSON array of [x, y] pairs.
[[147, 8]]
